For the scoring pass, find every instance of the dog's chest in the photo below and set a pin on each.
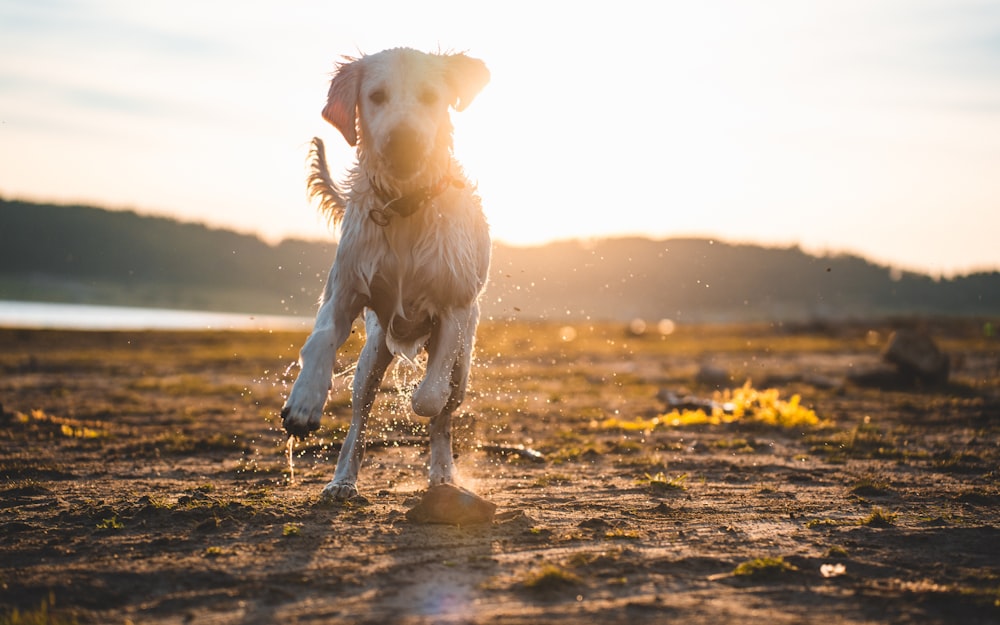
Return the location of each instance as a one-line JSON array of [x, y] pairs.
[[422, 265], [434, 264]]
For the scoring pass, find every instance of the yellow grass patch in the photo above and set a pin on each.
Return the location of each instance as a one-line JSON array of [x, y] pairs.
[[748, 405]]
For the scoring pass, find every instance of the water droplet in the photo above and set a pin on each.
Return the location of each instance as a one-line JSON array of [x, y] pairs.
[[290, 446]]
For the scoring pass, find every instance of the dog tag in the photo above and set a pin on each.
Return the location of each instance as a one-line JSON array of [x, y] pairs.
[[379, 216]]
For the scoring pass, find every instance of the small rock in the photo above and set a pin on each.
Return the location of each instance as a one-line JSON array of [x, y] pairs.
[[515, 516], [772, 380], [698, 447], [882, 377], [916, 355], [822, 381], [661, 508], [451, 505], [689, 402], [595, 523], [713, 376]]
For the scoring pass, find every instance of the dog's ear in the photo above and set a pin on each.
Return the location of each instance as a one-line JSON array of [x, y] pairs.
[[341, 108], [466, 76]]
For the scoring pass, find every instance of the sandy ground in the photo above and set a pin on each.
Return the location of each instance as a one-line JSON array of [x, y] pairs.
[[143, 479]]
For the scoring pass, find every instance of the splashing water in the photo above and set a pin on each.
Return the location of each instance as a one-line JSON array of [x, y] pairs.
[[392, 418], [407, 373]]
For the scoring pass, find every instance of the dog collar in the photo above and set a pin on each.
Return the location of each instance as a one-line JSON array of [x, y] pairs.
[[407, 205]]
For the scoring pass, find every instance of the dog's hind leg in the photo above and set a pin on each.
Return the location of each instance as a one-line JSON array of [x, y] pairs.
[[374, 360]]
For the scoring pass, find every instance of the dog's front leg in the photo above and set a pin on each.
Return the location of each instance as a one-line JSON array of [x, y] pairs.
[[449, 351], [443, 350], [303, 409], [463, 362], [374, 359], [442, 467]]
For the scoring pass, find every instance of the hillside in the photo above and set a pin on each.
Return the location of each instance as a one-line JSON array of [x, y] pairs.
[[90, 255]]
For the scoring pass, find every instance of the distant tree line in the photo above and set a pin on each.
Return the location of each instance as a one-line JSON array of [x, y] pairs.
[[92, 255], [81, 246], [698, 279]]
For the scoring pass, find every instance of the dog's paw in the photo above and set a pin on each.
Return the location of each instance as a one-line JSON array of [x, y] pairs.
[[295, 425], [430, 398], [339, 491], [303, 411]]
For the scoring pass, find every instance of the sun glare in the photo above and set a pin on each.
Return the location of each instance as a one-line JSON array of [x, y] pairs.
[[787, 123], [690, 130]]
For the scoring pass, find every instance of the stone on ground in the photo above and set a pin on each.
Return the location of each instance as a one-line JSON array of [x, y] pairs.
[[915, 354], [451, 505]]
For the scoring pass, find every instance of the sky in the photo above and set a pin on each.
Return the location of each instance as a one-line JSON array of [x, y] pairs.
[[869, 127]]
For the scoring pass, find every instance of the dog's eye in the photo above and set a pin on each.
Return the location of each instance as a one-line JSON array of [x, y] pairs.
[[428, 96], [379, 96]]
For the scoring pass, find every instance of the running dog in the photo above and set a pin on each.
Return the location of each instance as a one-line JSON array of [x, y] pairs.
[[414, 250]]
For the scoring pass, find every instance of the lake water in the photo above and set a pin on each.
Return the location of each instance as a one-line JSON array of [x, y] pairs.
[[85, 317]]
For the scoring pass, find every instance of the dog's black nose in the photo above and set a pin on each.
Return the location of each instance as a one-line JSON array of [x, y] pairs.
[[403, 150]]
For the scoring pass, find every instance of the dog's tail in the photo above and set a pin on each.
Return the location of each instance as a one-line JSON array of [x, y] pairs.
[[321, 188]]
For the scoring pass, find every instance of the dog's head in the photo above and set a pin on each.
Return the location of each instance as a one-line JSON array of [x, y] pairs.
[[394, 106]]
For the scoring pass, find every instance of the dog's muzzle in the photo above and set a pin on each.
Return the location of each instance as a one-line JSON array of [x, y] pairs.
[[404, 151]]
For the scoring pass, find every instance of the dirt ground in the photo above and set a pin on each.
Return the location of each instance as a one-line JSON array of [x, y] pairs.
[[144, 479]]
